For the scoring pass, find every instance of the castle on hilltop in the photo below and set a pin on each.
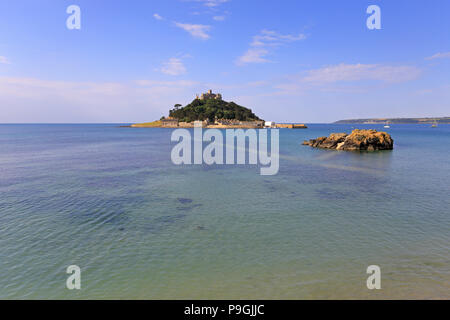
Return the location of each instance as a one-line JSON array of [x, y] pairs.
[[209, 95]]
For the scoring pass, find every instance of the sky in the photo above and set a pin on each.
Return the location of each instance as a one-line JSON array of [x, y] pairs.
[[288, 60]]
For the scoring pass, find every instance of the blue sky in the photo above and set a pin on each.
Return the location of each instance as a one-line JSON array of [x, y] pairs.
[[289, 61]]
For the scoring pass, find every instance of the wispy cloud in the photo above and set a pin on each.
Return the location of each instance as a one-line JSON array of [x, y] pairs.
[[158, 83], [424, 91], [272, 38], [212, 3], [157, 17], [37, 100], [196, 30], [213, 8], [173, 67], [4, 60], [346, 77], [263, 42], [358, 72], [253, 55], [439, 55]]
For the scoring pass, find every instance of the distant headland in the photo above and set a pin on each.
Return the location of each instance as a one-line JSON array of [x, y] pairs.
[[209, 110], [439, 120]]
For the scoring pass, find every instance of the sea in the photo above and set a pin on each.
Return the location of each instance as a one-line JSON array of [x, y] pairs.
[[109, 200]]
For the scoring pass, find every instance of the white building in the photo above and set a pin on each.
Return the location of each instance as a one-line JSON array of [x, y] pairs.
[[200, 123]]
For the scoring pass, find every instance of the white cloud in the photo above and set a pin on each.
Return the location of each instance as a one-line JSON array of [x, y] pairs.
[[358, 72], [439, 55], [253, 55], [259, 47], [157, 17], [4, 60], [219, 18], [212, 3], [173, 67], [196, 30]]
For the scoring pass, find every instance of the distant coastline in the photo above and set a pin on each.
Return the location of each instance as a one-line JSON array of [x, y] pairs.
[[438, 120]]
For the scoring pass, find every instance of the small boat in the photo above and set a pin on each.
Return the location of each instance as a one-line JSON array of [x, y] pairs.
[[387, 126], [434, 125]]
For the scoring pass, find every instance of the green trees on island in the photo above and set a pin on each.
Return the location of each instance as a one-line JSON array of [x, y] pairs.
[[212, 109]]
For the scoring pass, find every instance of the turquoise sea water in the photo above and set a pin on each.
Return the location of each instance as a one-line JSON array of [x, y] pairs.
[[109, 200]]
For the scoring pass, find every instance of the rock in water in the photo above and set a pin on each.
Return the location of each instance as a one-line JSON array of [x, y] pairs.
[[369, 140]]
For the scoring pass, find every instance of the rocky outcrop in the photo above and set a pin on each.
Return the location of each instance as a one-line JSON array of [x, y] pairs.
[[369, 140]]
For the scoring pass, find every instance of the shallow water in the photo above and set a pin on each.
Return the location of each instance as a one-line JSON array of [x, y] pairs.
[[109, 200]]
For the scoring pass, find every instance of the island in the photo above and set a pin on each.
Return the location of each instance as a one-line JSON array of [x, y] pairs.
[[438, 120], [209, 110], [358, 140]]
